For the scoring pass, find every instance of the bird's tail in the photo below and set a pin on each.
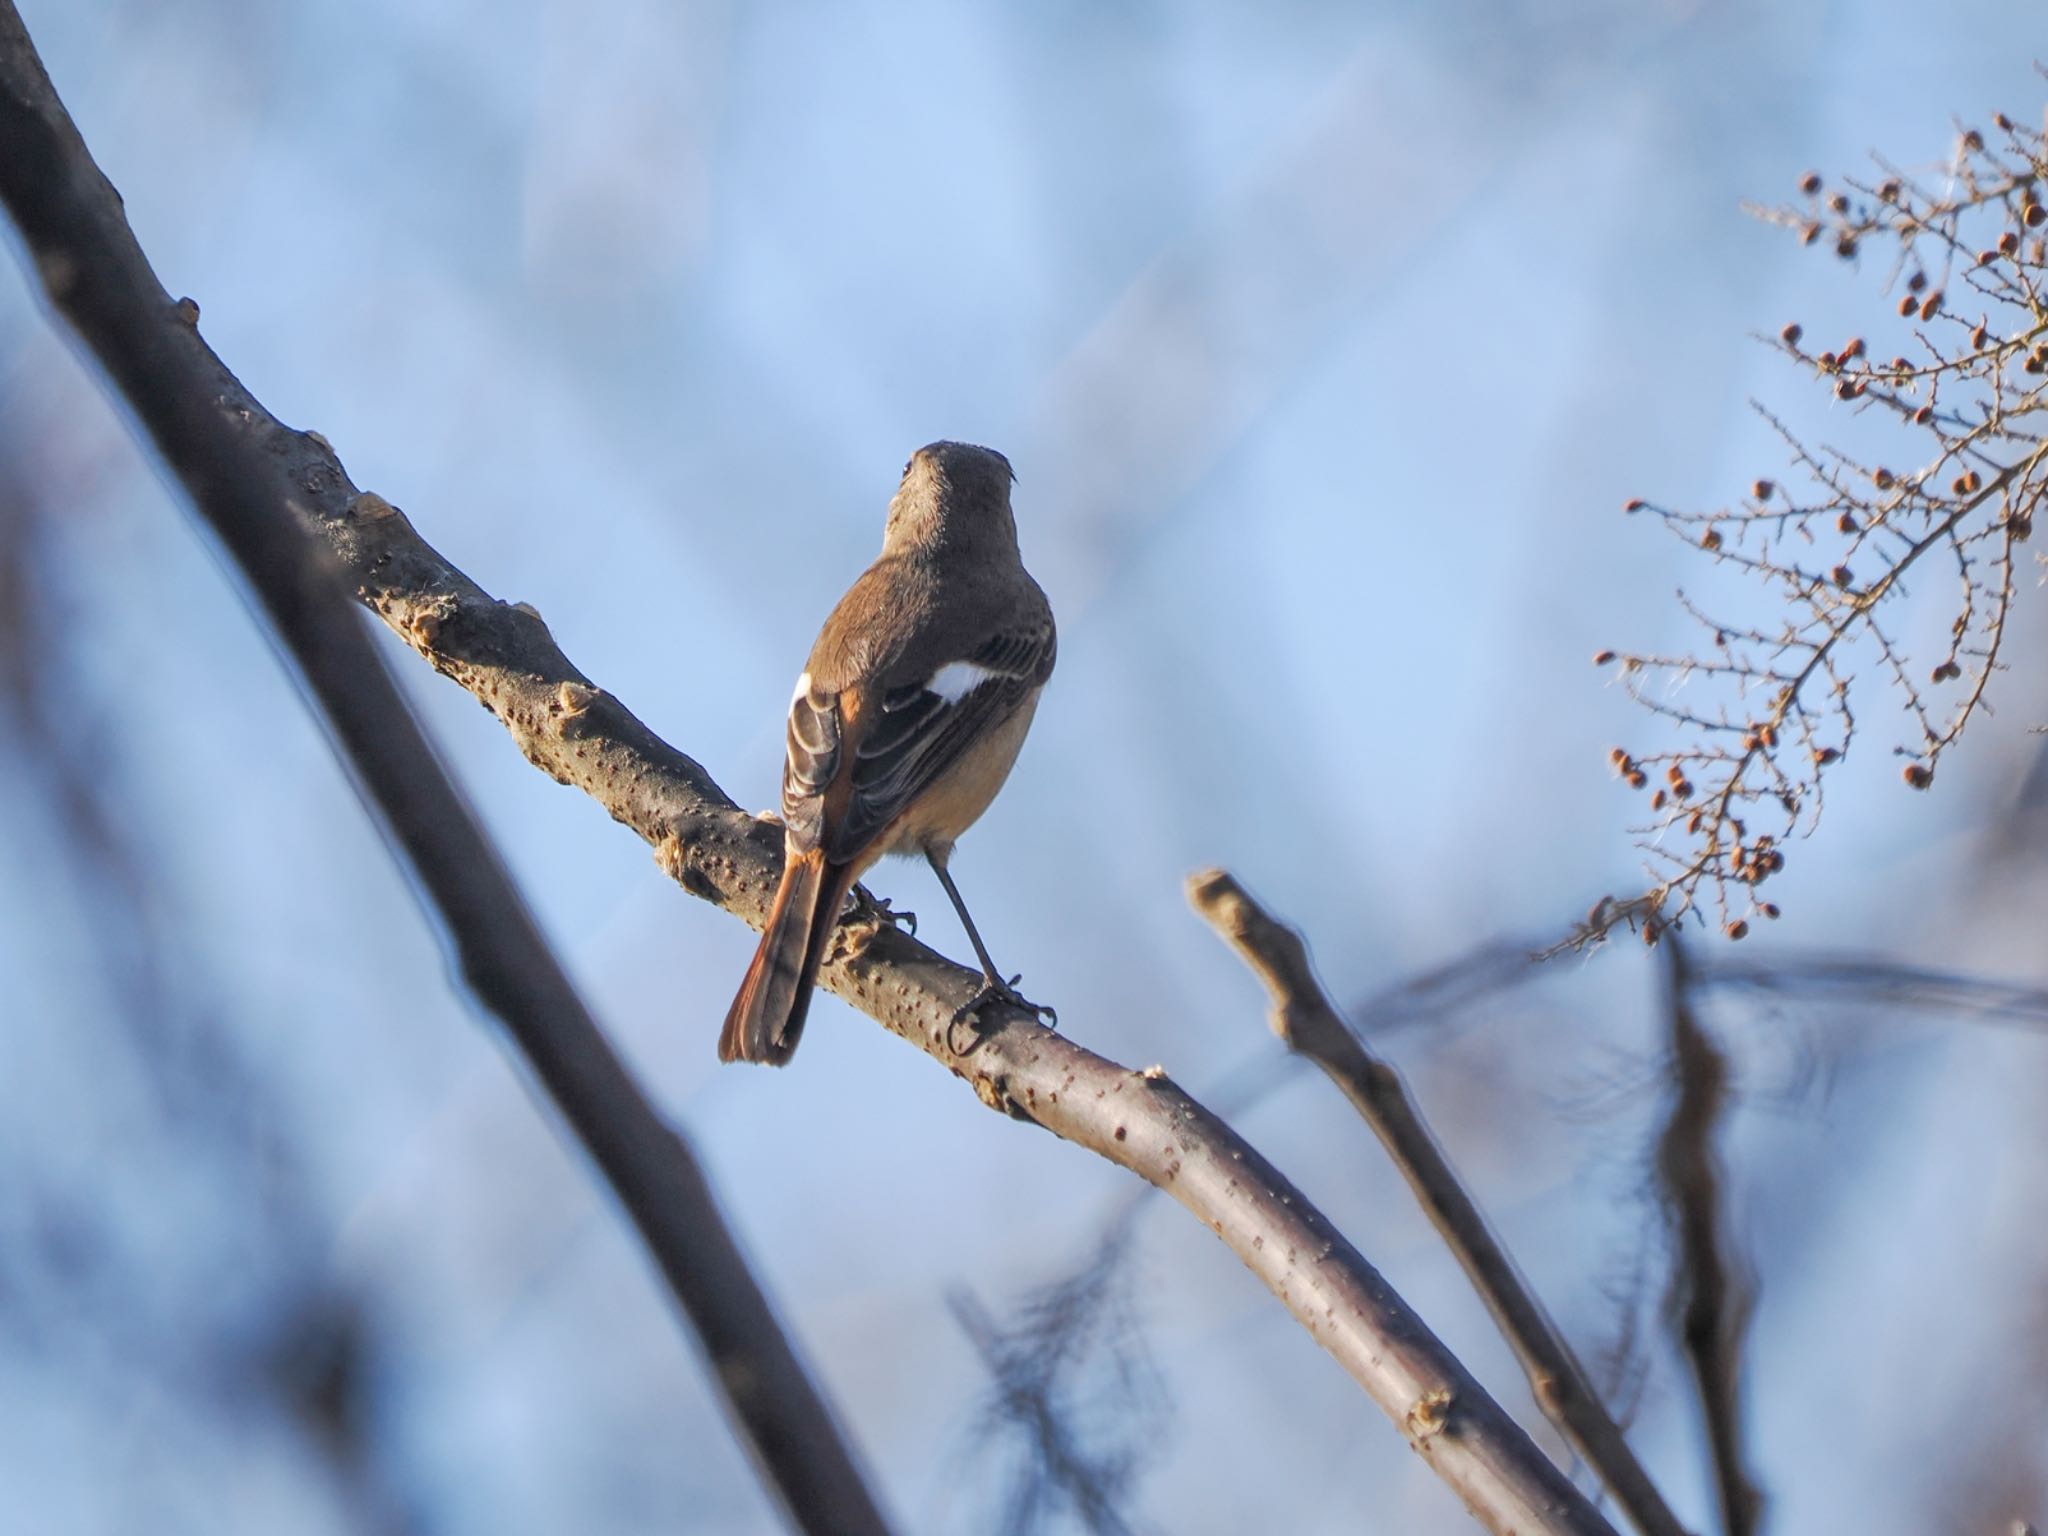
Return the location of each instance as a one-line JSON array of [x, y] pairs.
[[768, 1015]]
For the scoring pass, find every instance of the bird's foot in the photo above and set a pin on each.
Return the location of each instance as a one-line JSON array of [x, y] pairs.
[[874, 913], [995, 990]]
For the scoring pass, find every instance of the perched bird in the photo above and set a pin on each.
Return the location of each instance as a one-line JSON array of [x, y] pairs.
[[905, 722]]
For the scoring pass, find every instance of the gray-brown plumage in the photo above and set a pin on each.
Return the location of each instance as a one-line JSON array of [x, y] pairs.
[[905, 722]]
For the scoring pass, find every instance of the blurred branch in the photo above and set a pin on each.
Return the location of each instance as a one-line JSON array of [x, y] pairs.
[[254, 477], [233, 459], [1709, 1303], [1870, 981], [1072, 1383], [1307, 1023]]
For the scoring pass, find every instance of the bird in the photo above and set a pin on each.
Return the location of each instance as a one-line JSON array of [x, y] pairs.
[[904, 724]]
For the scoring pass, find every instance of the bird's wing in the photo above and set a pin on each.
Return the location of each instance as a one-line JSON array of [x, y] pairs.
[[867, 753]]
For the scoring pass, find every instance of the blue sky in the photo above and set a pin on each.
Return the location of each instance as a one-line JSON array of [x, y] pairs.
[[1327, 342]]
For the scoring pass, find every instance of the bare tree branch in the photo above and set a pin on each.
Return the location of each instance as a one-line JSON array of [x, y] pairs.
[[1307, 1023], [1709, 1300], [1762, 712], [222, 446], [248, 471]]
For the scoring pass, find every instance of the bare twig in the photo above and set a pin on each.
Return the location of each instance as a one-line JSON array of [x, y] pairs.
[[256, 476], [1306, 1022], [1958, 380], [221, 446], [1709, 1300]]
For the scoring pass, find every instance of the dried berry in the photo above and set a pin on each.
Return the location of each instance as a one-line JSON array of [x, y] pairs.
[[1810, 183], [1737, 929], [1919, 775], [1762, 490]]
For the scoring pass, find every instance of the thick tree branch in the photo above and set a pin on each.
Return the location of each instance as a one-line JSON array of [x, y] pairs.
[[241, 460], [225, 451], [1309, 1024]]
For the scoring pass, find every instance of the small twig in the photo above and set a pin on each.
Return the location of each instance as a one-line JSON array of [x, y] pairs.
[[1306, 1022], [1709, 1303]]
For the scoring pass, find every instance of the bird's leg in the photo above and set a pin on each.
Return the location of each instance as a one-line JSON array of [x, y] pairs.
[[993, 987]]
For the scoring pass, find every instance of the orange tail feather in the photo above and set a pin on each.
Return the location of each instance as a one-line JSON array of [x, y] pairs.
[[767, 1017]]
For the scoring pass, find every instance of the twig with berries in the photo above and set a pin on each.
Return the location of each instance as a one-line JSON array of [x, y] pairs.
[[1763, 713]]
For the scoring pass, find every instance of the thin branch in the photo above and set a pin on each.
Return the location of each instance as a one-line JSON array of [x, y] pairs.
[[258, 475], [1307, 1023], [223, 449], [1709, 1301], [1872, 982]]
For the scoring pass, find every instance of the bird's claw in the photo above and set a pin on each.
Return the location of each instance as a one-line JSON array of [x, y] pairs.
[[994, 989], [866, 910]]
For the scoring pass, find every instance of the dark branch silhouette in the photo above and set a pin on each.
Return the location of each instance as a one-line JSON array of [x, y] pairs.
[[1709, 1300]]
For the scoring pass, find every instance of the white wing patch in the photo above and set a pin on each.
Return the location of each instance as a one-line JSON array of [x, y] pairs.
[[803, 686], [956, 679]]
